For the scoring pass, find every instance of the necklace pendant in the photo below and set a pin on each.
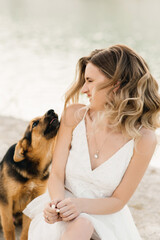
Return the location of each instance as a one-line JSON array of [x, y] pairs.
[[96, 155]]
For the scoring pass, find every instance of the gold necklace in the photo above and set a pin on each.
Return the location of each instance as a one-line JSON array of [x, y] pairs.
[[96, 154]]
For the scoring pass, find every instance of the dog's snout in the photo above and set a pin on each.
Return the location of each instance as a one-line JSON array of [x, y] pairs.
[[50, 112]]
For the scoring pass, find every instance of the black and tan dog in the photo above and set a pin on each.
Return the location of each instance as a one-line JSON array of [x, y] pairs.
[[24, 171]]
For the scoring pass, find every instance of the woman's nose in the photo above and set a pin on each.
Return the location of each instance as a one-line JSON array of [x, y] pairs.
[[84, 89]]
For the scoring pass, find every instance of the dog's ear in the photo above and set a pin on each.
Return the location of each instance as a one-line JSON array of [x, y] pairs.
[[18, 153], [20, 150]]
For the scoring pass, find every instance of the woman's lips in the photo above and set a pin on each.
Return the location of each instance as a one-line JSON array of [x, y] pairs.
[[89, 96]]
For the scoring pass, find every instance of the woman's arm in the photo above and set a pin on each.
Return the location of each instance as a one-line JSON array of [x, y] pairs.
[[134, 173], [61, 152], [60, 155], [56, 178]]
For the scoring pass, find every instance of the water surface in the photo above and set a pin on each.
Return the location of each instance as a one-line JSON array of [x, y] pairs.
[[41, 42]]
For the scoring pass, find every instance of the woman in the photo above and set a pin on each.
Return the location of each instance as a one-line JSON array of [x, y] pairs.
[[102, 150]]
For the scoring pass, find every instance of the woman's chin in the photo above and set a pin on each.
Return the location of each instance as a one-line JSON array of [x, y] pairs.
[[92, 105]]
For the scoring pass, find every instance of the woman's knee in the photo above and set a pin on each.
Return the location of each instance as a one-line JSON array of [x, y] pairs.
[[79, 228], [84, 223]]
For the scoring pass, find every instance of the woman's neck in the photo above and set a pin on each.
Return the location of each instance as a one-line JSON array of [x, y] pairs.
[[98, 117]]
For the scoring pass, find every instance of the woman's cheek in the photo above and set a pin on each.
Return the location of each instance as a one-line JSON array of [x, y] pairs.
[[94, 102], [99, 99]]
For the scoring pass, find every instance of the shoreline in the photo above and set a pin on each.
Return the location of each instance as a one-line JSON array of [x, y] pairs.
[[144, 204]]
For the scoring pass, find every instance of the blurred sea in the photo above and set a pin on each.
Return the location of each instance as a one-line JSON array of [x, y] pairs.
[[41, 42]]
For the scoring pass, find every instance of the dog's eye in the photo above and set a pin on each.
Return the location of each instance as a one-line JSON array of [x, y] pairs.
[[35, 124]]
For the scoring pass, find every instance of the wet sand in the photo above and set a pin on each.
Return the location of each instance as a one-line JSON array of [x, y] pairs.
[[144, 204]]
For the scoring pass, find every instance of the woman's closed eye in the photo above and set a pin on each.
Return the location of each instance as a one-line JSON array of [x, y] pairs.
[[88, 80]]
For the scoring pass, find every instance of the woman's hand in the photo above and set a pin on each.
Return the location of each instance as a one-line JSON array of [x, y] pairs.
[[69, 208], [50, 213]]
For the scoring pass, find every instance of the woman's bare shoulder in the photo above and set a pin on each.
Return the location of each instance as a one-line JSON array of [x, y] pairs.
[[148, 139], [148, 134], [73, 114]]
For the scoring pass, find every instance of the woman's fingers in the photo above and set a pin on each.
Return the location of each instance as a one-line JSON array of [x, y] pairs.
[[63, 203], [64, 209], [49, 212], [52, 220], [68, 209], [50, 215], [69, 218], [66, 214]]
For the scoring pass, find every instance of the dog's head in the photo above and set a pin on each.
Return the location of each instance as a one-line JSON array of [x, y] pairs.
[[39, 138]]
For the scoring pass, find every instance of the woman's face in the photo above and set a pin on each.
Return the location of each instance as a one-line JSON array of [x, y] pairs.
[[94, 77]]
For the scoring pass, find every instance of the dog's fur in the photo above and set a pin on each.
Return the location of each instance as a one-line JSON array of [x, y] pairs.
[[24, 171]]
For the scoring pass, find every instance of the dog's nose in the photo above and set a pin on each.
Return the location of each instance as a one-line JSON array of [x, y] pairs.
[[50, 112]]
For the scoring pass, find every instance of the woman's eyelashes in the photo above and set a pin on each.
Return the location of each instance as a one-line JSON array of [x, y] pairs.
[[88, 80]]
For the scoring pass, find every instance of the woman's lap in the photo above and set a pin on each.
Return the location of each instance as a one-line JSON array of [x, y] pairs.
[[41, 230]]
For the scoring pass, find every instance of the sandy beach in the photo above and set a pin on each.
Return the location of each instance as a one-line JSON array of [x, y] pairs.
[[144, 204]]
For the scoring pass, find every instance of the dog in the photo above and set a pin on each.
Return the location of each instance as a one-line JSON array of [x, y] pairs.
[[24, 171]]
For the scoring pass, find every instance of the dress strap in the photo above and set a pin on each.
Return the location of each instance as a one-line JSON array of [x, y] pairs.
[[87, 108]]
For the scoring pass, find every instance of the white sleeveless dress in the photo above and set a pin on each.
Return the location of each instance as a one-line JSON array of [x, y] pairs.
[[83, 182]]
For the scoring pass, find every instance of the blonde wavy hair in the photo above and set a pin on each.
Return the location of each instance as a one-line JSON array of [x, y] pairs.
[[136, 100]]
